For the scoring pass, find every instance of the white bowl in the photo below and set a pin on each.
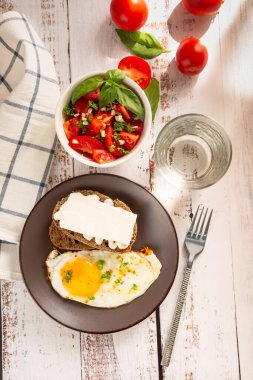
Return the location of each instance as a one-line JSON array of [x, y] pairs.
[[60, 118]]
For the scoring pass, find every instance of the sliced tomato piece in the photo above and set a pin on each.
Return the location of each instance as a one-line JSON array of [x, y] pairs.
[[102, 156], [137, 69], [81, 105], [111, 144], [130, 139], [126, 114], [89, 131], [71, 128], [93, 95], [85, 144], [137, 126], [102, 119]]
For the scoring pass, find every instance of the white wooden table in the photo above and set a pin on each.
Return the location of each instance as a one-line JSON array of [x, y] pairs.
[[215, 339]]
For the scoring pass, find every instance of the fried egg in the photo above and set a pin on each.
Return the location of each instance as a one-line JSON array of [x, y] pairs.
[[102, 279]]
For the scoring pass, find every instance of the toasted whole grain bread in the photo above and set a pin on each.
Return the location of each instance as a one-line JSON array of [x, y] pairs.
[[91, 243], [62, 241]]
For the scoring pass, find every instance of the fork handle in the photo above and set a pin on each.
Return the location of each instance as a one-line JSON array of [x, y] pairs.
[[176, 318]]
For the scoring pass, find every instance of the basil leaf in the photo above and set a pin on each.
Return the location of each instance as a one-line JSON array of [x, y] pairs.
[[115, 75], [131, 101], [143, 45], [153, 95], [107, 95], [86, 86]]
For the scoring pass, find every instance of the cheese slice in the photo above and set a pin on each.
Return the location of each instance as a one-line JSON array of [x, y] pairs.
[[89, 216]]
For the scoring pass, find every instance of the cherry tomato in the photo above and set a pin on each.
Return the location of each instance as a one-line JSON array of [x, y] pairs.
[[191, 56], [81, 105], [129, 15], [126, 114], [202, 7], [93, 95], [111, 144], [101, 156], [130, 139], [137, 69], [71, 128], [85, 144], [99, 121]]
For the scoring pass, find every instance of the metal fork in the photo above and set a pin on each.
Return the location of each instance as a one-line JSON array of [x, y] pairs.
[[194, 243]]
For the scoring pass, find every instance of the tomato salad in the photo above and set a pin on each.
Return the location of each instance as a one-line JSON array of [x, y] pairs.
[[103, 132]]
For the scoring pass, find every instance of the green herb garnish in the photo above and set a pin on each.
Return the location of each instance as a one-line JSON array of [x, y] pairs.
[[122, 150], [123, 264], [129, 129], [119, 126], [91, 298], [80, 124], [116, 136], [68, 275], [118, 282], [122, 125], [89, 118], [106, 275], [111, 148], [100, 264], [133, 288], [68, 110], [93, 105]]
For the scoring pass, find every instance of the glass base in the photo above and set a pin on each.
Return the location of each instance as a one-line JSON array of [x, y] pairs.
[[189, 156]]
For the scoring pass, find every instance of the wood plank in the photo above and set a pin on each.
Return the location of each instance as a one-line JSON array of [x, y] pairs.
[[133, 352], [34, 346], [207, 332], [236, 50]]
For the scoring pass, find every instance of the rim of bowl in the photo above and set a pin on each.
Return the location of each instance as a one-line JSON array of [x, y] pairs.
[[65, 97], [188, 185]]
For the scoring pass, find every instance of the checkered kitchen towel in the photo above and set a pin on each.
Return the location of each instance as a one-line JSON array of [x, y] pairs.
[[28, 95]]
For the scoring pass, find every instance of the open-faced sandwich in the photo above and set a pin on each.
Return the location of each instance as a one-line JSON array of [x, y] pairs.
[[89, 219]]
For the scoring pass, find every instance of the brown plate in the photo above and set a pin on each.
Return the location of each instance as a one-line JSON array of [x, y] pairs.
[[155, 229]]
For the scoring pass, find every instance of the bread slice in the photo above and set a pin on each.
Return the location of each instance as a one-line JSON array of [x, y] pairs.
[[62, 241], [91, 243]]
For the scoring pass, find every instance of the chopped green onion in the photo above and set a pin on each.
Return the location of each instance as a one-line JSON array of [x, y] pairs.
[[133, 288], [68, 275], [111, 148], [106, 275], [100, 264], [122, 150]]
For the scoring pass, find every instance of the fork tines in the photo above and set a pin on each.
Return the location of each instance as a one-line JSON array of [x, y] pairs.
[[194, 231]]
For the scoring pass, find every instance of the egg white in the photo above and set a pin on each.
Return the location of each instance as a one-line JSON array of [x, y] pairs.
[[137, 275]]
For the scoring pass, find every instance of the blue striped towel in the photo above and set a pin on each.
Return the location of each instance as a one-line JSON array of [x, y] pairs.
[[28, 95]]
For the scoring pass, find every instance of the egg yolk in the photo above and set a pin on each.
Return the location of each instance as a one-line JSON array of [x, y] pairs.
[[81, 277]]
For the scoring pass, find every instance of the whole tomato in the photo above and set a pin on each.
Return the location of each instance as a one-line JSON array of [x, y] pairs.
[[129, 15], [202, 7], [191, 56]]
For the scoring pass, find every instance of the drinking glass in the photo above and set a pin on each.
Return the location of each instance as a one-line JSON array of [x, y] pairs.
[[193, 151]]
